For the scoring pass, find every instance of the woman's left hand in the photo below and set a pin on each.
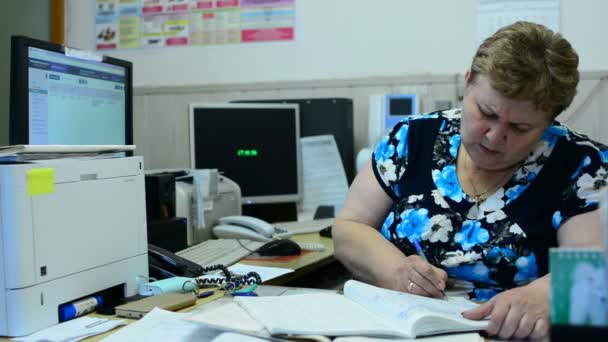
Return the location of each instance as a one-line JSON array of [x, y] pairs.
[[518, 313]]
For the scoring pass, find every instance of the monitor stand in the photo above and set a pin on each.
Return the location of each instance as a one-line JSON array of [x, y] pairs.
[[272, 212]]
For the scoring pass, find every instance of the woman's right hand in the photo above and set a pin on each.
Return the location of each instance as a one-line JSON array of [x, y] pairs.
[[416, 276]]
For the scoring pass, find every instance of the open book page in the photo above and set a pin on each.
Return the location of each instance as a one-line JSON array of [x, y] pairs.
[[315, 313], [468, 337], [416, 314]]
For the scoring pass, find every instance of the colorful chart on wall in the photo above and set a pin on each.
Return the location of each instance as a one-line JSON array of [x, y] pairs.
[[129, 24]]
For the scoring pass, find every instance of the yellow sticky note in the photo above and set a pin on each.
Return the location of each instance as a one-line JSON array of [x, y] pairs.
[[40, 181]]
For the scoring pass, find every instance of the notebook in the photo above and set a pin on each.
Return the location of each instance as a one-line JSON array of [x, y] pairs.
[[363, 310]]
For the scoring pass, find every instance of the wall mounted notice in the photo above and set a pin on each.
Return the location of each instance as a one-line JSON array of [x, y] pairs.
[[128, 24], [494, 14]]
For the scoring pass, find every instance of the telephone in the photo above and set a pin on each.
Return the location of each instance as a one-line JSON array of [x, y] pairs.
[[163, 264], [248, 228]]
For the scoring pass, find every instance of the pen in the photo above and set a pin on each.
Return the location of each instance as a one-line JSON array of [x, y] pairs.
[[421, 254], [205, 294], [244, 294]]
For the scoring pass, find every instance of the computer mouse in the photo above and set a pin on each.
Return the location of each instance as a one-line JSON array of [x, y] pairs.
[[279, 248]]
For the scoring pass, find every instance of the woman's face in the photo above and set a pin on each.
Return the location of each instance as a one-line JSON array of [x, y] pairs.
[[498, 132]]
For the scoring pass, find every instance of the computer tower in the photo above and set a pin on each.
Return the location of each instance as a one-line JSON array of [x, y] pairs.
[[160, 196], [169, 234]]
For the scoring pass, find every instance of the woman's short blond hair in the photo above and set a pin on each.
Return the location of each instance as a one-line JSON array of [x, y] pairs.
[[529, 61]]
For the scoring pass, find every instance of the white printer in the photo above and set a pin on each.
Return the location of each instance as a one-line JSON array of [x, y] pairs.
[[69, 228], [222, 198]]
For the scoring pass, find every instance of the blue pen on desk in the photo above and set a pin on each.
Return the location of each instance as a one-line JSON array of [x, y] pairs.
[[244, 294], [205, 294], [421, 254]]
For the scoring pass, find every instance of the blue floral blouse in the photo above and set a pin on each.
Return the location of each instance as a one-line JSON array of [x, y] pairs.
[[503, 242]]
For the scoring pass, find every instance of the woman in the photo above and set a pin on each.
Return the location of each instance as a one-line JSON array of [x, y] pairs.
[[484, 191]]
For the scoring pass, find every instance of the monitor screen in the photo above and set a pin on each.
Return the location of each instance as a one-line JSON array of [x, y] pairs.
[[68, 98], [255, 145], [319, 116], [401, 105]]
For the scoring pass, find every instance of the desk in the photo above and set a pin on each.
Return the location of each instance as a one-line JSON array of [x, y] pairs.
[[302, 266], [263, 290], [274, 290]]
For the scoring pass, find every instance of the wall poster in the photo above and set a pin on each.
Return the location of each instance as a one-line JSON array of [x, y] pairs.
[[128, 24]]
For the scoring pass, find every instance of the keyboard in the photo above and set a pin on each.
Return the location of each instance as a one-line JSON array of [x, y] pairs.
[[219, 251]]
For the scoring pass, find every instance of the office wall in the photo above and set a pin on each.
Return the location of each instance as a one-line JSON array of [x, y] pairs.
[[25, 17], [343, 39], [161, 113], [374, 47]]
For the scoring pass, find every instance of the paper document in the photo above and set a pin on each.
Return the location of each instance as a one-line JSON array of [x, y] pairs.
[[273, 290], [305, 226], [73, 330], [25, 153], [236, 337], [201, 190], [494, 14], [227, 315], [324, 179], [468, 337], [266, 273], [17, 149], [162, 325]]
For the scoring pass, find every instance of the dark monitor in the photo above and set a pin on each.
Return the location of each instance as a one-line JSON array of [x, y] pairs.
[[401, 106], [65, 96], [255, 145], [326, 116]]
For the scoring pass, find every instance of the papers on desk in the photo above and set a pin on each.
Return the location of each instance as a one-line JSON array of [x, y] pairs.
[[162, 325], [234, 337], [471, 337], [74, 330], [226, 315], [305, 227], [40, 152], [324, 179]]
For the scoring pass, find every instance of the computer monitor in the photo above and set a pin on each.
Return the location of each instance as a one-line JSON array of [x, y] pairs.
[[320, 116], [386, 110], [65, 96], [255, 145]]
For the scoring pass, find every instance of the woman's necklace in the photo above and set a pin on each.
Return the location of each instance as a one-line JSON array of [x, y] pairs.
[[480, 196]]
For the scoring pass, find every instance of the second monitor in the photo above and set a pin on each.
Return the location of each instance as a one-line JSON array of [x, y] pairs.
[[255, 145]]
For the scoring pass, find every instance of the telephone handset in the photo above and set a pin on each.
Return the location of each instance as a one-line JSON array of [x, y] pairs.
[[163, 264], [244, 227]]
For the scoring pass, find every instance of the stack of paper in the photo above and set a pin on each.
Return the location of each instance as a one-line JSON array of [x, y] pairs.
[[74, 330], [162, 325], [40, 152]]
